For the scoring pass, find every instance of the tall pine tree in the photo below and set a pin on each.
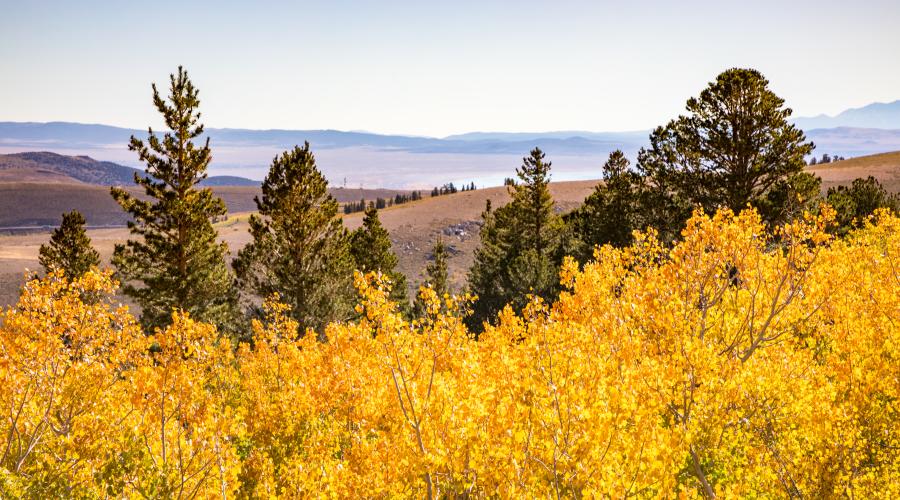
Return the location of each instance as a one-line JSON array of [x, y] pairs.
[[522, 245], [176, 261], [733, 147], [300, 248], [70, 249], [370, 247]]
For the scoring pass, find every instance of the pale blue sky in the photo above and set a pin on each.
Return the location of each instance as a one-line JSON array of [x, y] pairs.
[[437, 68]]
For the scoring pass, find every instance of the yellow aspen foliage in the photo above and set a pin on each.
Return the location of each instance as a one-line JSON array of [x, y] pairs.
[[737, 363], [62, 359]]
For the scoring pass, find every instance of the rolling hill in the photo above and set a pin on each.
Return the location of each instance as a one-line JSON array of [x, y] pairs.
[[52, 167], [885, 167], [39, 205]]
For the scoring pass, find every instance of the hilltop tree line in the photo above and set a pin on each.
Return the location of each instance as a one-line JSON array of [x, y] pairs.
[[826, 158], [379, 203], [399, 199], [451, 188], [734, 148]]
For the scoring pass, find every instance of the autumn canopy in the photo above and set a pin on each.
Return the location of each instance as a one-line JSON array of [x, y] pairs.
[[739, 362]]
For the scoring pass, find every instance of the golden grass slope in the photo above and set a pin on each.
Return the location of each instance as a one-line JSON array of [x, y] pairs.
[[885, 167]]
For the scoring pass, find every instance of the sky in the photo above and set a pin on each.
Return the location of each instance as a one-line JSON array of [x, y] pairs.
[[437, 68]]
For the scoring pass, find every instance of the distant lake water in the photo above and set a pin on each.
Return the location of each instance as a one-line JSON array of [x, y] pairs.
[[365, 166]]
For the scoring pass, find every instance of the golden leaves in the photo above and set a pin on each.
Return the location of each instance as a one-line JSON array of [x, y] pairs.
[[737, 362]]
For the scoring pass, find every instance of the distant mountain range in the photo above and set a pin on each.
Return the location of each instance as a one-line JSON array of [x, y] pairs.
[[74, 135], [363, 159], [883, 115], [46, 166]]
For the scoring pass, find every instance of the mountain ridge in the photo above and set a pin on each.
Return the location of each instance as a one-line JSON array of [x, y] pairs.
[[876, 115], [360, 158], [84, 169]]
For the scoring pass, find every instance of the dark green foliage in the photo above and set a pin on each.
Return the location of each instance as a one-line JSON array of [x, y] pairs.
[[734, 145], [370, 248], [436, 270], [354, 206], [436, 275], [300, 248], [522, 246], [70, 249], [788, 198], [613, 211], [448, 188], [176, 261], [854, 203], [404, 198]]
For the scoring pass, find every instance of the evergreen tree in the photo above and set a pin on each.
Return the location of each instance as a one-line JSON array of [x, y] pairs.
[[436, 270], [788, 198], [70, 249], [522, 245], [300, 249], [734, 145], [370, 248], [177, 261], [613, 211], [854, 203], [436, 276]]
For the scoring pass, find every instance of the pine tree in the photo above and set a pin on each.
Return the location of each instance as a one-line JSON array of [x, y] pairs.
[[789, 198], [70, 249], [436, 270], [532, 201], [522, 246], [859, 200], [176, 261], [436, 275], [300, 248], [613, 211], [370, 247], [732, 147]]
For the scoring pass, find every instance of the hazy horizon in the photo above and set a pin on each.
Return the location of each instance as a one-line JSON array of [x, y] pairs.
[[435, 70]]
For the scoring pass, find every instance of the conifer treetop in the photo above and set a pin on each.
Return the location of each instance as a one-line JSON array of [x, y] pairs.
[[69, 249]]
